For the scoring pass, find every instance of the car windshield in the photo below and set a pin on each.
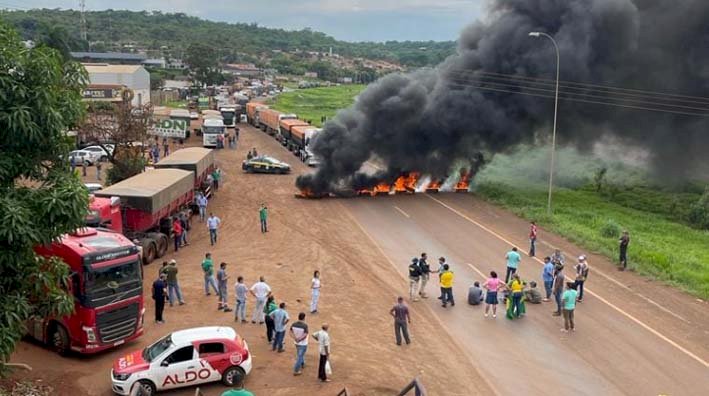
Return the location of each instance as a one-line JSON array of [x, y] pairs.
[[155, 350], [106, 285]]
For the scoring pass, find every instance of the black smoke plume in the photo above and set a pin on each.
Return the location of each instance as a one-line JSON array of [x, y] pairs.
[[485, 98]]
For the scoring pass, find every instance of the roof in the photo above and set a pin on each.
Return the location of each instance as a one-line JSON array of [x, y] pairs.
[[182, 337], [106, 68], [179, 113], [108, 55], [193, 159], [152, 190]]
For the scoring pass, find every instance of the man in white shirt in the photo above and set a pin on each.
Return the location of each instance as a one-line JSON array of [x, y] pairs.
[[261, 291], [324, 348], [213, 223], [202, 203], [299, 332]]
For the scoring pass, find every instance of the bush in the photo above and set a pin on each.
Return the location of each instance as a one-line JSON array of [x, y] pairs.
[[610, 229], [698, 214]]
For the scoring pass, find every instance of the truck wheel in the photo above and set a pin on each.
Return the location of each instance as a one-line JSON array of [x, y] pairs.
[[233, 375], [160, 243], [60, 340], [149, 250], [145, 388]]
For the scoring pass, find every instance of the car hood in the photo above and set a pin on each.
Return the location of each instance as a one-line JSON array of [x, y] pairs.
[[130, 363]]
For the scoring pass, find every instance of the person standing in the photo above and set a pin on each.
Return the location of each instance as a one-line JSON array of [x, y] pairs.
[[280, 319], [624, 241], [425, 274], [184, 223], [263, 217], [177, 232], [548, 277], [492, 285], [299, 332], [269, 308], [447, 286], [202, 203], [400, 313], [516, 286], [261, 291], [72, 164], [569, 301], [323, 338], [315, 292], [98, 170], [414, 277], [84, 165], [208, 270], [165, 147], [513, 259], [439, 271], [213, 223], [159, 294], [173, 286], [532, 239], [558, 258], [558, 287], [581, 276], [241, 291], [222, 279], [216, 178]]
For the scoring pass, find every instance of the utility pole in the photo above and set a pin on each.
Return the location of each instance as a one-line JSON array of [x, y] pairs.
[[82, 7]]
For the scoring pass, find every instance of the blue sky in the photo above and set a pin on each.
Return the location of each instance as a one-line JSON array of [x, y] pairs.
[[352, 20]]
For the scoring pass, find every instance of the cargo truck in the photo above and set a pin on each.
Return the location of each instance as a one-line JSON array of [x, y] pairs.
[[142, 207], [253, 110], [106, 283], [228, 113], [284, 127], [198, 160], [270, 119], [299, 143]]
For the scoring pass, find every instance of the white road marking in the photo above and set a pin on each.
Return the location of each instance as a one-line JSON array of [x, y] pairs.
[[618, 309], [476, 270], [402, 212]]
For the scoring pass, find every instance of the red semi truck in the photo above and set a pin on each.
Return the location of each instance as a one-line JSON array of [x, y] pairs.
[[198, 160], [107, 285], [142, 207]]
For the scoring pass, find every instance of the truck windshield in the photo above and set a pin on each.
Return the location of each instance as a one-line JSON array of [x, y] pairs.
[[108, 285], [212, 130], [157, 349]]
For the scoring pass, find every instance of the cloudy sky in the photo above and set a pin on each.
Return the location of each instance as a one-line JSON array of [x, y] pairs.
[[353, 20]]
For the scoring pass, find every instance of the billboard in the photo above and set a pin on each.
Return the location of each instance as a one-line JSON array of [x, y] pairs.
[[169, 128]]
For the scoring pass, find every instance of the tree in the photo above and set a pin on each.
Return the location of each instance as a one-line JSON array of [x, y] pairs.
[[40, 198], [123, 125], [203, 63]]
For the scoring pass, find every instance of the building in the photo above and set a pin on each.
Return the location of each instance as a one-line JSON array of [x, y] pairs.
[[133, 77], [241, 69], [155, 62], [116, 58]]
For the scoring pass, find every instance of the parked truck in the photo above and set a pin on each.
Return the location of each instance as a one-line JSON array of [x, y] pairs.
[[270, 119], [228, 112], [107, 286], [284, 127], [198, 160], [253, 110], [142, 207], [299, 141]]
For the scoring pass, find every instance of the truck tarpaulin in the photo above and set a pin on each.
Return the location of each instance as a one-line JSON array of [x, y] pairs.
[[193, 159], [152, 190]]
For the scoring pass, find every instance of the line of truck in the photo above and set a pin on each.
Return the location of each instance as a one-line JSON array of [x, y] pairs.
[[293, 133]]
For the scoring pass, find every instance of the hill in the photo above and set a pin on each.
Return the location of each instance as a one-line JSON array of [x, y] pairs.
[[165, 33]]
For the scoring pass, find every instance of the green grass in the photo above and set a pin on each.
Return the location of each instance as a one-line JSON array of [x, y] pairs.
[[660, 247], [314, 103], [178, 104]]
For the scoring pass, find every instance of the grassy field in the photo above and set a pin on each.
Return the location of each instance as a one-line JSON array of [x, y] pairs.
[[314, 103], [660, 247]]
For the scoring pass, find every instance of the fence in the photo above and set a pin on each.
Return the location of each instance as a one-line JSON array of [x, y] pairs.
[[417, 387], [159, 98]]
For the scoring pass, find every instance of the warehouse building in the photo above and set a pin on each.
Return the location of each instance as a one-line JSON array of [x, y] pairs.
[[133, 77]]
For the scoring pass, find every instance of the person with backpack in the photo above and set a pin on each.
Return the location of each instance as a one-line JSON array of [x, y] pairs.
[[581, 276]]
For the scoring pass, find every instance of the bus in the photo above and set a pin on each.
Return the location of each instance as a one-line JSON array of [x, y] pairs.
[[212, 127]]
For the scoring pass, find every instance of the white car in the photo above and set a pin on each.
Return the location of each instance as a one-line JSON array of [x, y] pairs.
[[194, 115], [99, 151], [184, 358], [93, 187], [83, 156]]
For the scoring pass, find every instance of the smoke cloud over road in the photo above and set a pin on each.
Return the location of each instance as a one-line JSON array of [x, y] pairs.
[[497, 92]]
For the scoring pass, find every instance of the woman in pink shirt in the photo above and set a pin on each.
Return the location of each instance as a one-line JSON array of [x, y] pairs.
[[492, 285]]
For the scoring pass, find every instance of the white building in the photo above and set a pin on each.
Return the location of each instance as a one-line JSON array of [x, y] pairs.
[[134, 77]]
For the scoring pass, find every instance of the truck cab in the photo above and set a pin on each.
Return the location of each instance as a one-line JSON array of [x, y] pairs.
[[107, 285], [229, 114], [105, 213]]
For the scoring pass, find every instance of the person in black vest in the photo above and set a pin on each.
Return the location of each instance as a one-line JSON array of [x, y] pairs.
[[159, 295], [425, 274], [414, 277]]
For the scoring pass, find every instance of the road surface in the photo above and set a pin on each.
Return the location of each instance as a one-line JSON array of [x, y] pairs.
[[617, 348]]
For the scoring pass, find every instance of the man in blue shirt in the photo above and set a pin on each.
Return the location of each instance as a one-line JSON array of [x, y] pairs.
[[280, 319], [202, 203], [513, 259], [159, 294], [548, 277]]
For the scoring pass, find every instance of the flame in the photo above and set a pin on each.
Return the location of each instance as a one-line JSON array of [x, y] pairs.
[[464, 182], [433, 186], [411, 180], [307, 193], [381, 189], [400, 184]]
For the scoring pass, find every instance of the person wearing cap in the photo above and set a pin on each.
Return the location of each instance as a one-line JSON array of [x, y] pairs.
[[581, 275], [173, 286], [414, 276]]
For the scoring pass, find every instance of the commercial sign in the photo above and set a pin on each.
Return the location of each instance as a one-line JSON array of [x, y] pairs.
[[170, 128], [111, 94]]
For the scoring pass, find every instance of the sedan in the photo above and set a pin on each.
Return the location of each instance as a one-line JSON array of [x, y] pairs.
[[83, 157], [265, 164], [102, 152]]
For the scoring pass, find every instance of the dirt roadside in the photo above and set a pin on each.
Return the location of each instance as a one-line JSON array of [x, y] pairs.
[[359, 287]]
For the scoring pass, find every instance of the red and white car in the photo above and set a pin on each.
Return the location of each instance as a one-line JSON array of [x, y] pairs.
[[184, 358]]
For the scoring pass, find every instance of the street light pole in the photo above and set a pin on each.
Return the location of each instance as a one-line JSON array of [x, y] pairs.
[[556, 106]]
